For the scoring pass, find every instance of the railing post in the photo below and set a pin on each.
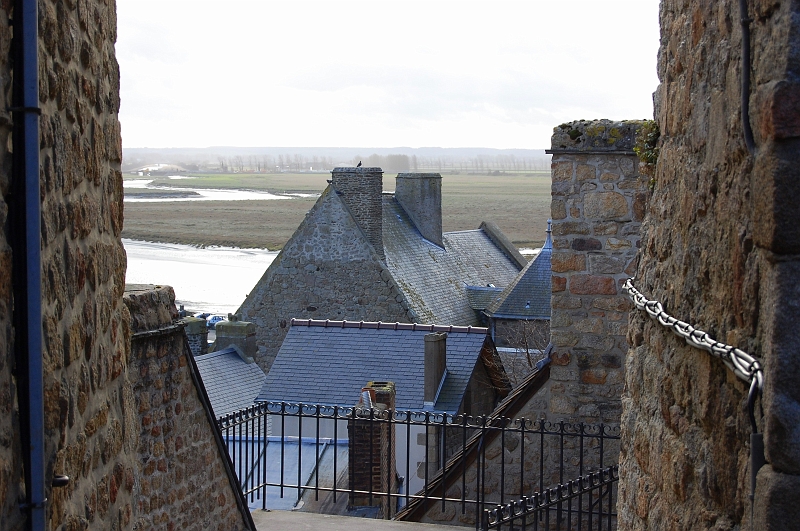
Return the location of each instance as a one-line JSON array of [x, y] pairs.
[[335, 448], [316, 462]]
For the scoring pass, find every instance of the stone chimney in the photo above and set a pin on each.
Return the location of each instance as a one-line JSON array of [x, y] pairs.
[[435, 366], [197, 334], [361, 190], [236, 333], [420, 195]]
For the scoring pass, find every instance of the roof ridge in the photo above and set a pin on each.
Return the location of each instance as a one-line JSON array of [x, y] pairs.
[[215, 354], [380, 325], [484, 288]]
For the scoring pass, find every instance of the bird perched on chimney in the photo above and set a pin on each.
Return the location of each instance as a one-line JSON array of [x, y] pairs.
[[359, 164]]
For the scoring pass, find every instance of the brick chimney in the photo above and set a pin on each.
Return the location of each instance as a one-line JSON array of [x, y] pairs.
[[372, 464], [435, 366], [420, 195], [361, 190]]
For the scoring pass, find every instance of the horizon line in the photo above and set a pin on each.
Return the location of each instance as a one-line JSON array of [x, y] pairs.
[[333, 147]]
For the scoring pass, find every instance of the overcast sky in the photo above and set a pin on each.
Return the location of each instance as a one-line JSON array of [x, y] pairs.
[[501, 74]]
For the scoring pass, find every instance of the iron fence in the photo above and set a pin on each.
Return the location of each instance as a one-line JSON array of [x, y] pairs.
[[419, 463], [588, 502]]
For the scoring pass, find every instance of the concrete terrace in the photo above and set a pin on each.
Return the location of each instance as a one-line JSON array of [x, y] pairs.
[[294, 520]]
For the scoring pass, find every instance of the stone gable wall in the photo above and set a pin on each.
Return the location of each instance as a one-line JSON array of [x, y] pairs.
[[720, 247], [327, 270], [598, 202]]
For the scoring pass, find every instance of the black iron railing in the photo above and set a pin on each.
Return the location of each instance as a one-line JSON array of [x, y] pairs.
[[588, 502], [285, 454]]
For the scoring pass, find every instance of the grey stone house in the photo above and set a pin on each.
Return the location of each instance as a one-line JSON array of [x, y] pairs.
[[361, 254], [518, 315]]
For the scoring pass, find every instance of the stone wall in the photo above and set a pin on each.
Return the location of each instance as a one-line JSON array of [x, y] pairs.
[[10, 446], [598, 202], [328, 251], [179, 479], [720, 247], [88, 403], [91, 414]]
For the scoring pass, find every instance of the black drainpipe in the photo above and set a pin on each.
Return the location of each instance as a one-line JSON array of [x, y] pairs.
[[27, 261], [747, 130]]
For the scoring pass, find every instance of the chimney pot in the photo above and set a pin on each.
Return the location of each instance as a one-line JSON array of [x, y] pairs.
[[435, 365]]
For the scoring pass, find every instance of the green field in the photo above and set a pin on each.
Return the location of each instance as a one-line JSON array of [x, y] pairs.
[[518, 204], [267, 182]]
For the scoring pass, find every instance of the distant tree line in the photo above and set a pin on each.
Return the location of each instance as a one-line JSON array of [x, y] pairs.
[[482, 164], [295, 163]]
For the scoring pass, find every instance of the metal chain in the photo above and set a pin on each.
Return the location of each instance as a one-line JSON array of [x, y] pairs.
[[745, 366]]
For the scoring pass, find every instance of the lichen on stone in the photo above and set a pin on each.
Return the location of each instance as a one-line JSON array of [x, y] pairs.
[[646, 147]]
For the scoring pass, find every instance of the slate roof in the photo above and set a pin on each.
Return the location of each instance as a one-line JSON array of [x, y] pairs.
[[528, 295], [480, 297], [328, 362], [432, 278], [231, 383]]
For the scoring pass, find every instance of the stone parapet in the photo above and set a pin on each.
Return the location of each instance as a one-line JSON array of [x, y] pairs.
[[151, 307], [180, 474], [601, 136]]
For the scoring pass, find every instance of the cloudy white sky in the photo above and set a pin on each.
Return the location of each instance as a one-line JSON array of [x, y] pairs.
[[501, 74]]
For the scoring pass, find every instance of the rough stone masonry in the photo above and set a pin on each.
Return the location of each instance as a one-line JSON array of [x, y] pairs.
[[720, 248], [83, 263], [598, 202], [111, 412]]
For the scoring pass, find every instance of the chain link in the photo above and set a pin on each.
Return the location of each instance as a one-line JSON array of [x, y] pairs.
[[745, 366]]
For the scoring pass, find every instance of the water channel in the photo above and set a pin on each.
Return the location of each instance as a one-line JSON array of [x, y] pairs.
[[212, 279], [177, 193]]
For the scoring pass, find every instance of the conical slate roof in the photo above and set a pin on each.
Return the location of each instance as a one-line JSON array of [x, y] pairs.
[[528, 295]]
